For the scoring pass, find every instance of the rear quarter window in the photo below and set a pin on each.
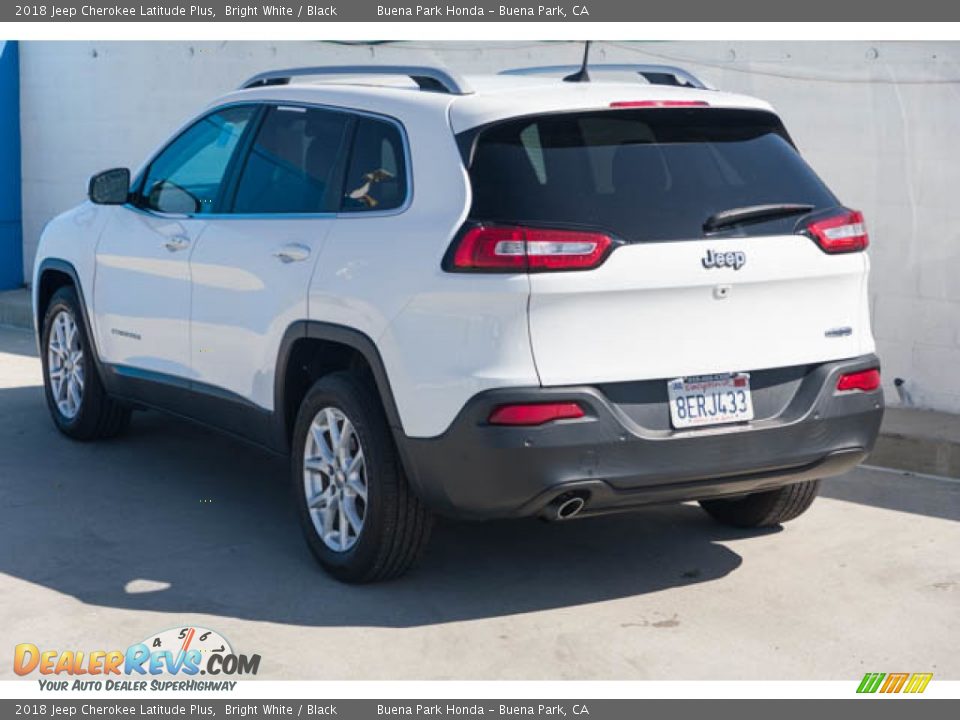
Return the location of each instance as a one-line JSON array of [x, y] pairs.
[[377, 172]]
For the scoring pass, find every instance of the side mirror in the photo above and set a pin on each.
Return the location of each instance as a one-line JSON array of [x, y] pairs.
[[110, 187]]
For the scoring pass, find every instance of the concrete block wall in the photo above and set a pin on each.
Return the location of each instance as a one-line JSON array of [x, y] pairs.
[[878, 121]]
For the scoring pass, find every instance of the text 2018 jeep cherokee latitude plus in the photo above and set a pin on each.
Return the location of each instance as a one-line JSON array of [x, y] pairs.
[[518, 296]]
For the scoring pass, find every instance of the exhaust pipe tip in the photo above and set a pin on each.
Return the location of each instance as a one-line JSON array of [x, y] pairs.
[[564, 507], [570, 508]]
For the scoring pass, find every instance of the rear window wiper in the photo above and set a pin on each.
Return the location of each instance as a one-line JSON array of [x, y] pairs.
[[753, 213]]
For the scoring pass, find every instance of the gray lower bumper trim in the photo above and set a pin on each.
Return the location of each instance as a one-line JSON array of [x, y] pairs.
[[478, 470]]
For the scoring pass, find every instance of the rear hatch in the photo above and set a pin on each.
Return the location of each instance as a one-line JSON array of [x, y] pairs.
[[702, 276]]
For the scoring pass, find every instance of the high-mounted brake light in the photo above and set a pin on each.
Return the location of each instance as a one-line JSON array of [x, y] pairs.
[[842, 232], [535, 413], [498, 248], [863, 380], [658, 103]]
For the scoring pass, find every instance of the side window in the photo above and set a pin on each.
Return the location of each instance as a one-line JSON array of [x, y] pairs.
[[186, 177], [292, 165], [377, 173]]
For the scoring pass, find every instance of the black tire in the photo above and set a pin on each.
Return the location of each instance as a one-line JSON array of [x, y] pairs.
[[764, 509], [396, 524], [99, 415]]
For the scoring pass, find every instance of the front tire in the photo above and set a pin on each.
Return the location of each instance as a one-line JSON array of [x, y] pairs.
[[80, 407], [359, 515], [764, 509]]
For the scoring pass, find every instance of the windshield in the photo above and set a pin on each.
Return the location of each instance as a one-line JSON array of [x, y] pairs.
[[643, 175]]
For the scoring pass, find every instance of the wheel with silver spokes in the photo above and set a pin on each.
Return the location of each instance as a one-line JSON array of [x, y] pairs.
[[78, 403], [359, 516], [65, 364], [335, 479]]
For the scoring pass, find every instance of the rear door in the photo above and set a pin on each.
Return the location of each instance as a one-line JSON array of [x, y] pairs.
[[677, 296], [251, 268]]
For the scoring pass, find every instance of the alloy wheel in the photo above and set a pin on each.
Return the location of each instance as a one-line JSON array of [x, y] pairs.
[[335, 479], [65, 364]]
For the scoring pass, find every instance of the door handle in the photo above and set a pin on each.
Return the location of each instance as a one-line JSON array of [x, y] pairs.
[[293, 252], [177, 242]]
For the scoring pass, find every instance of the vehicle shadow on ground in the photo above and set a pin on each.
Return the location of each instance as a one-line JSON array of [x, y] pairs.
[[208, 523]]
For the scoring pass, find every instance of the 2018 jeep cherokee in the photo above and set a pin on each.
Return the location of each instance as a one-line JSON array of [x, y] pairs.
[[497, 297]]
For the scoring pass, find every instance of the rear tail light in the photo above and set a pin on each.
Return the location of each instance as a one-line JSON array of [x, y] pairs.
[[658, 103], [841, 232], [535, 413], [499, 248], [863, 380]]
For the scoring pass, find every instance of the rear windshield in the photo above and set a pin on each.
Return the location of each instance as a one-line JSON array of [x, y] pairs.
[[642, 175]]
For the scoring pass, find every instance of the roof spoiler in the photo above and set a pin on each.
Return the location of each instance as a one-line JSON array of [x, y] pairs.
[[653, 74], [427, 78]]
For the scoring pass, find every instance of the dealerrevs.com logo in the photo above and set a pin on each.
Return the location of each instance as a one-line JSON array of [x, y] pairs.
[[170, 660]]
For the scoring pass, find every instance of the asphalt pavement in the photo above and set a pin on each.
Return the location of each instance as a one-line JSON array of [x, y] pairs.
[[103, 545]]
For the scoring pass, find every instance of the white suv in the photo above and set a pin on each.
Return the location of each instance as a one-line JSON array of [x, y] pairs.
[[490, 297]]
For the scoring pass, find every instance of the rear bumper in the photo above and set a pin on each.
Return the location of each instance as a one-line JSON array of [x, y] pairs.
[[476, 470]]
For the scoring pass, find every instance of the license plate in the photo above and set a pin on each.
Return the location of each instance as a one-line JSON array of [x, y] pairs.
[[710, 400]]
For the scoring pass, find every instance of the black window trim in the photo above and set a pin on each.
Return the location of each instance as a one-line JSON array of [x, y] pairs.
[[232, 175]]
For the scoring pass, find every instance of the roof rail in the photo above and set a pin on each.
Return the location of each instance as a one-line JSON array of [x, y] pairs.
[[432, 79], [653, 74]]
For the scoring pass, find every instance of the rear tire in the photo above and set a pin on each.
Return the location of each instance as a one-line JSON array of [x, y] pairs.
[[764, 509], [80, 407], [360, 518]]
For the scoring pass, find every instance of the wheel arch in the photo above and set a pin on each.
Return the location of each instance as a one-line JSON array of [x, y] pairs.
[[310, 349], [53, 274]]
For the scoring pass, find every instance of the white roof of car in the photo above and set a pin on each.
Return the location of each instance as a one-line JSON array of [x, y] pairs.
[[490, 97]]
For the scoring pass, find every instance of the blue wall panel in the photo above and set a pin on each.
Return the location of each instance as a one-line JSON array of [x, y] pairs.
[[11, 233]]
